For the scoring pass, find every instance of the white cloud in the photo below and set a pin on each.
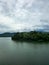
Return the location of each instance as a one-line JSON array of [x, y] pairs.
[[23, 14]]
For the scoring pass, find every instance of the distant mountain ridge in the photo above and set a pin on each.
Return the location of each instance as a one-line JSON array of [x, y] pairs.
[[7, 34], [10, 34]]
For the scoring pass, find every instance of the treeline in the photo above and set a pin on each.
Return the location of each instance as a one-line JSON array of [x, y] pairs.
[[31, 36]]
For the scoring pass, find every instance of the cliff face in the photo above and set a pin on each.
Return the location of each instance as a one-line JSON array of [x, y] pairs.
[[31, 36]]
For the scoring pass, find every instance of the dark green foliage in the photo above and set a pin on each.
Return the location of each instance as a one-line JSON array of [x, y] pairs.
[[31, 36]]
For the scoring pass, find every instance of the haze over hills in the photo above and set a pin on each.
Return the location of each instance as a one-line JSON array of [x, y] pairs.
[[9, 34]]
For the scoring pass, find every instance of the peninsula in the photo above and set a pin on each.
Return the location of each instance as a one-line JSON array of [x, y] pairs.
[[31, 36]]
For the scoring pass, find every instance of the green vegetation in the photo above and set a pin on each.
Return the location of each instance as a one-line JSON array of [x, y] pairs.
[[31, 36]]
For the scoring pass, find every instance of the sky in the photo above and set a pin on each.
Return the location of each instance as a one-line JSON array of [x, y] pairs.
[[24, 15]]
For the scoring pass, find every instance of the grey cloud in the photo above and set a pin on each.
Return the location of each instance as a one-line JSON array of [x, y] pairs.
[[44, 28], [7, 7], [28, 11], [3, 26]]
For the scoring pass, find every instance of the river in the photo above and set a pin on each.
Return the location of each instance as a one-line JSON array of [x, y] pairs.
[[23, 53]]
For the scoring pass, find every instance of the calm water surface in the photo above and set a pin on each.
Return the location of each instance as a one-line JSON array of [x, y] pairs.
[[23, 53]]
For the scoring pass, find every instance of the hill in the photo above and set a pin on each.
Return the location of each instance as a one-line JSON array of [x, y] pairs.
[[7, 34]]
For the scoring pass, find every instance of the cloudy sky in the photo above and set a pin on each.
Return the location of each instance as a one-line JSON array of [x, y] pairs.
[[22, 15]]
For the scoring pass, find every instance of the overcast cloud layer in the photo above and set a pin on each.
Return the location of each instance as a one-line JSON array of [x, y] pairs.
[[19, 15]]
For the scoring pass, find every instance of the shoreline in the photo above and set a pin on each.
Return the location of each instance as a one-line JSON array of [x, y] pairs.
[[31, 36]]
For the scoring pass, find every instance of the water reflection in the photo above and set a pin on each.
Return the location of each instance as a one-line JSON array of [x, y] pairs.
[[23, 53]]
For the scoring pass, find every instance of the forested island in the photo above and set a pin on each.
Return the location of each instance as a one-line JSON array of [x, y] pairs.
[[31, 36]]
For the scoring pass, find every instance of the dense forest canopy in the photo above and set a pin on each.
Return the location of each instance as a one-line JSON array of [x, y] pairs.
[[31, 36]]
